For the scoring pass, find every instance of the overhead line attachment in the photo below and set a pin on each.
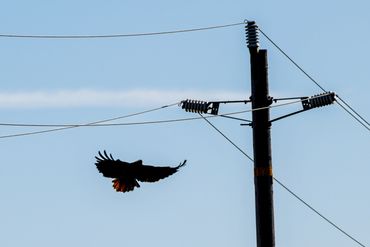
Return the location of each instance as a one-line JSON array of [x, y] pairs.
[[127, 35]]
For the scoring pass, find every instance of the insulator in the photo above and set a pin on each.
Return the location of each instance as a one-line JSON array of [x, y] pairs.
[[251, 31], [318, 100], [197, 106]]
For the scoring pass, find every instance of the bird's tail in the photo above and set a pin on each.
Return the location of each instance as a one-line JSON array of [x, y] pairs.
[[121, 186]]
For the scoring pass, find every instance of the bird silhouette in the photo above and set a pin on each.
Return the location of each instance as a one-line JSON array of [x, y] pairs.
[[126, 175]]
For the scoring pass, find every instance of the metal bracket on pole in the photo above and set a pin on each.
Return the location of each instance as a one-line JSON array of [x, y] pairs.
[[309, 103]]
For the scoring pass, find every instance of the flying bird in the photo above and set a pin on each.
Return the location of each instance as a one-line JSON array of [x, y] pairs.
[[126, 175]]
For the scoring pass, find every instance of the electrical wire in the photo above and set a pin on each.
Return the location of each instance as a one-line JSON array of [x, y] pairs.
[[317, 212], [104, 125], [353, 114], [228, 139], [292, 61], [353, 110], [104, 36], [287, 189], [65, 127], [226, 115]]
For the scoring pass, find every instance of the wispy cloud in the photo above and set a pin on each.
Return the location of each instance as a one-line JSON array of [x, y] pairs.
[[101, 98]]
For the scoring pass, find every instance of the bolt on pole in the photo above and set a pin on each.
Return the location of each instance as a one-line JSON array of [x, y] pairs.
[[263, 177]]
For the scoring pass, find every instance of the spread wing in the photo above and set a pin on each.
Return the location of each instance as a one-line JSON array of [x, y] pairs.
[[147, 173], [112, 168]]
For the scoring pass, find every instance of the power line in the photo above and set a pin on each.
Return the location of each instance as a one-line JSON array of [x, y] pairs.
[[291, 60], [354, 112], [88, 124], [289, 190], [228, 139], [104, 36], [317, 212], [353, 115], [102, 125]]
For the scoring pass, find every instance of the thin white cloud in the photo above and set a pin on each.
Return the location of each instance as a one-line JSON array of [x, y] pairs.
[[101, 98]]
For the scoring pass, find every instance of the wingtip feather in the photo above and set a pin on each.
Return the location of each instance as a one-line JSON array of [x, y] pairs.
[[103, 156], [181, 164]]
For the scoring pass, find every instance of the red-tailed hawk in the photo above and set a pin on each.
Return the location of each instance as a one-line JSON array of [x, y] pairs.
[[126, 175]]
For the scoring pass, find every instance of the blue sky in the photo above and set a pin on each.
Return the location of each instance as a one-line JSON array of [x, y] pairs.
[[51, 191]]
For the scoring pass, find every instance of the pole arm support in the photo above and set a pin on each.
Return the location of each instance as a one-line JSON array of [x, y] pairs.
[[309, 103]]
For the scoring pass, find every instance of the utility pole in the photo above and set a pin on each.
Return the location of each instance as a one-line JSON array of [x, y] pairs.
[[261, 124], [263, 178]]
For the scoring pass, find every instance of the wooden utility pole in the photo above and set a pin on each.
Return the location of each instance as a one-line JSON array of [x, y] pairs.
[[263, 178], [261, 124]]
